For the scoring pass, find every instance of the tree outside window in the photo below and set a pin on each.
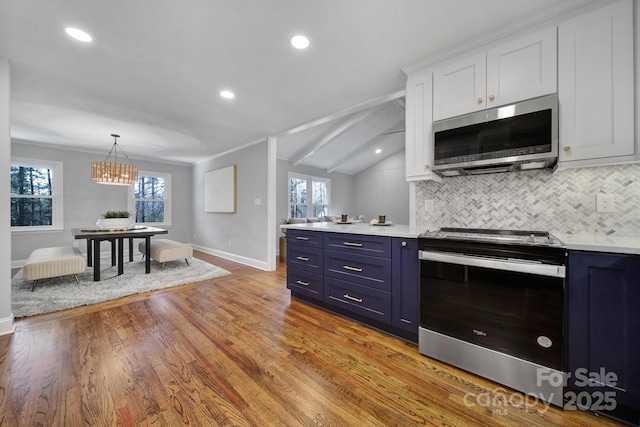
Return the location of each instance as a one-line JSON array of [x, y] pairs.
[[35, 191], [309, 196], [150, 197]]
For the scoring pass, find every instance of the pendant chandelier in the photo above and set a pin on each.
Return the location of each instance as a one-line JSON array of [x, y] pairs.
[[114, 173]]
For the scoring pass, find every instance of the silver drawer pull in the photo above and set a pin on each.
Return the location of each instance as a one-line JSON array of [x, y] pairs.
[[301, 258], [300, 282], [302, 238], [349, 297], [346, 267], [352, 244]]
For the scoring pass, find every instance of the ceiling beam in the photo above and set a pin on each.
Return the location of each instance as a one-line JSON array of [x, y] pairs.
[[400, 102], [343, 113], [380, 139], [341, 128]]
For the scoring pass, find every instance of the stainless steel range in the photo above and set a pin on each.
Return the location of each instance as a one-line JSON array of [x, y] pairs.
[[492, 303]]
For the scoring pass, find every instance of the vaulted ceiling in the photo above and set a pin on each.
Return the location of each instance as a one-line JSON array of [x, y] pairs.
[[154, 70]]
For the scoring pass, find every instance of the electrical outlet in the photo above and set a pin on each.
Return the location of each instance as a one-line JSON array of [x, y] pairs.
[[428, 205], [229, 242], [605, 202], [76, 244]]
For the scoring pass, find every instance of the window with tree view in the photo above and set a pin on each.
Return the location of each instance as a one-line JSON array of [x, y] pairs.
[[34, 194], [151, 198], [309, 196]]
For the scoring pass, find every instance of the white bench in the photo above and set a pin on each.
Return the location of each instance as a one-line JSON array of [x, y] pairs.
[[45, 263], [165, 250]]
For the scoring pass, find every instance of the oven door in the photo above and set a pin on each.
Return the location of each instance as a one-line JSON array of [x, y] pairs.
[[513, 307]]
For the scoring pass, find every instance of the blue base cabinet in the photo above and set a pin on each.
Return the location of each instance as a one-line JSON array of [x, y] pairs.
[[371, 279], [406, 284], [603, 334]]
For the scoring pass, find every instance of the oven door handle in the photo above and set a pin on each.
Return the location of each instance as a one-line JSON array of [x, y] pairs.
[[519, 266]]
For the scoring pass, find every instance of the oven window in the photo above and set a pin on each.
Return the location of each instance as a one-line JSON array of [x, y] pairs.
[[514, 313]]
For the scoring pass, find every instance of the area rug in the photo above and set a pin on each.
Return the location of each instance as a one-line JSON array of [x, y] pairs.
[[60, 293]]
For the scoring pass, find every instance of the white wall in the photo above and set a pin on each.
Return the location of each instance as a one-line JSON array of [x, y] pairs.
[[6, 317], [382, 190], [241, 236], [84, 201]]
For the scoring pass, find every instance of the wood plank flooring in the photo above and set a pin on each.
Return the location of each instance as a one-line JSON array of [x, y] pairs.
[[238, 351]]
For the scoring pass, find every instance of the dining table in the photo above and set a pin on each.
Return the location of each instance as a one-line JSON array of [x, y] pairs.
[[95, 236]]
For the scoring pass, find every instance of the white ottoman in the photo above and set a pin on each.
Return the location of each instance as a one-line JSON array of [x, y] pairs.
[[44, 263], [165, 250]]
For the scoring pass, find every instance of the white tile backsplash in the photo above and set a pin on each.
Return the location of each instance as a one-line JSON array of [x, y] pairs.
[[561, 201]]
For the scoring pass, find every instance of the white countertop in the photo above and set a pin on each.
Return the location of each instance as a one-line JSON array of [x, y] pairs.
[[595, 243], [578, 242], [393, 230]]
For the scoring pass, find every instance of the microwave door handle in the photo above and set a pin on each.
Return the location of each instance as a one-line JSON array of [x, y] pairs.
[[496, 264]]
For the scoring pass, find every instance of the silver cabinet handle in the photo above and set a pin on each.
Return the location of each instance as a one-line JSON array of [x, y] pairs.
[[352, 244], [300, 282], [301, 258], [346, 267], [349, 297], [302, 238]]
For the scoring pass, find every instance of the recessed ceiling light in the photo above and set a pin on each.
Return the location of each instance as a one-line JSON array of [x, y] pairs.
[[227, 94], [379, 150], [300, 42], [78, 34]]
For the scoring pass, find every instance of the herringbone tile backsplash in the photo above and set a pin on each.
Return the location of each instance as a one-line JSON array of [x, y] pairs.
[[562, 201]]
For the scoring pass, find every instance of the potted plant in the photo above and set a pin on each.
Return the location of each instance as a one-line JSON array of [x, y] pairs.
[[115, 220]]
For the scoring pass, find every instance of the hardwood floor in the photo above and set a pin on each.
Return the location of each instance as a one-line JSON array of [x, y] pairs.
[[238, 351]]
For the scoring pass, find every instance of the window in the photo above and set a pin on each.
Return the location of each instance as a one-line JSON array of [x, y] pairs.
[[309, 196], [36, 195], [150, 198]]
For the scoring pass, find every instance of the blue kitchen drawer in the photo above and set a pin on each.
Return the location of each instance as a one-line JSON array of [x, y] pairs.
[[362, 300], [364, 270], [305, 258], [358, 244], [303, 282], [304, 237]]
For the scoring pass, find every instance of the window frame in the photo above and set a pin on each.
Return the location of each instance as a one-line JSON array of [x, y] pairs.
[[57, 196], [167, 198], [310, 179]]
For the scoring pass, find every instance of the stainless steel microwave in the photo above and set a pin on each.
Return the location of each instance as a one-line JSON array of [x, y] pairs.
[[502, 139]]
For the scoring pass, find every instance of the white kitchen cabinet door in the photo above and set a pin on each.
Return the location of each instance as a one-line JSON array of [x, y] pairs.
[[522, 69], [459, 87], [418, 121], [514, 71], [595, 84]]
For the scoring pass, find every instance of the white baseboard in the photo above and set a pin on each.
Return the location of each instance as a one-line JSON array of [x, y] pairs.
[[262, 265], [7, 326]]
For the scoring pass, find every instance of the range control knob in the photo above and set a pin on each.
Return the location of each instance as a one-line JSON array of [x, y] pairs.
[[532, 238]]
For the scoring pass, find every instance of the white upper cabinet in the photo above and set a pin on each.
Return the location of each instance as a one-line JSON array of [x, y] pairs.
[[514, 71], [596, 85], [460, 87], [418, 136]]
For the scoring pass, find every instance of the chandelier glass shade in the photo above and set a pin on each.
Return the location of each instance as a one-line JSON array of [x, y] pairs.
[[112, 172]]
